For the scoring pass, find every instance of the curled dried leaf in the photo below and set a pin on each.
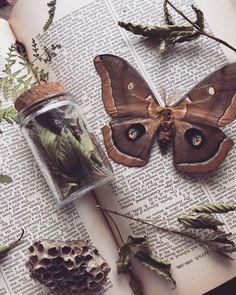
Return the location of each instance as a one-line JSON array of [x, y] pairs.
[[124, 262], [135, 284], [200, 221], [223, 251], [158, 32], [200, 22], [229, 249], [51, 13], [214, 208], [158, 266], [170, 33], [220, 237], [133, 241], [168, 17]]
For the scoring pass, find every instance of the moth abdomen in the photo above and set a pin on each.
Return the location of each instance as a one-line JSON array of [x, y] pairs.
[[166, 129], [165, 135]]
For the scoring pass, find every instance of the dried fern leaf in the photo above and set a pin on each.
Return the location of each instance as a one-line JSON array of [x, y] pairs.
[[136, 284], [214, 208], [123, 264], [160, 267], [134, 241], [9, 115], [51, 13], [200, 221], [220, 237], [168, 17]]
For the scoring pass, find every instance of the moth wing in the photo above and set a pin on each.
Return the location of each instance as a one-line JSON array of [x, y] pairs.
[[199, 148], [213, 100], [124, 92], [129, 141]]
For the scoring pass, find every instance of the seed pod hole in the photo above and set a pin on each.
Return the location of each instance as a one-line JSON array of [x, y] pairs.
[[34, 259], [71, 283], [78, 278], [95, 251], [58, 276], [78, 259], [40, 247], [99, 277], [53, 251], [57, 260], [88, 257], [41, 270], [62, 268], [92, 285], [45, 262], [66, 250], [47, 276], [51, 285], [70, 273], [53, 268], [82, 266], [68, 263], [31, 249]]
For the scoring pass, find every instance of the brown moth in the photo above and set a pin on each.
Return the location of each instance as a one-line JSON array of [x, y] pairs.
[[192, 126]]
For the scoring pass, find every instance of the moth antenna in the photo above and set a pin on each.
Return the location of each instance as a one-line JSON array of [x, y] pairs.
[[162, 92]]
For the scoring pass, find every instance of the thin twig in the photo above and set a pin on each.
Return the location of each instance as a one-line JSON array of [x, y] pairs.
[[202, 32], [144, 221], [12, 245], [116, 226]]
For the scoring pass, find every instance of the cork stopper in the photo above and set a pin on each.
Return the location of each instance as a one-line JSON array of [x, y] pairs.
[[37, 93]]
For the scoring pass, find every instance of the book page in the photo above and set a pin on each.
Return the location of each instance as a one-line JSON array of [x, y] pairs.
[[28, 203], [7, 38], [156, 191], [222, 22]]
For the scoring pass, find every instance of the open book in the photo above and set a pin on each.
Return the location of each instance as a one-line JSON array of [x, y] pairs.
[[86, 28]]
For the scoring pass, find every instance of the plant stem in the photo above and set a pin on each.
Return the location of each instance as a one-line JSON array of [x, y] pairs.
[[12, 245], [153, 225], [117, 228], [202, 32]]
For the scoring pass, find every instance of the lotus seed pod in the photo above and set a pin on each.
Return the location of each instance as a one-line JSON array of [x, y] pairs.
[[72, 267]]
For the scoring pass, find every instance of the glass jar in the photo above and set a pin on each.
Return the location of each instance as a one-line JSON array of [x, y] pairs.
[[68, 155]]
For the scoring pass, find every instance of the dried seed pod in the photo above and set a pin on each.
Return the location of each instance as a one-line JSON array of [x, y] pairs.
[[71, 266]]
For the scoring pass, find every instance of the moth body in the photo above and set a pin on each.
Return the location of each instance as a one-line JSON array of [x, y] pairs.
[[166, 129]]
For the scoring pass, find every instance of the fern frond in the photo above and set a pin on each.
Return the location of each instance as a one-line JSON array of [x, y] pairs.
[[51, 13]]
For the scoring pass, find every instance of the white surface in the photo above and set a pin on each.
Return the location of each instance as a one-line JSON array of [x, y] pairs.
[[221, 16]]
